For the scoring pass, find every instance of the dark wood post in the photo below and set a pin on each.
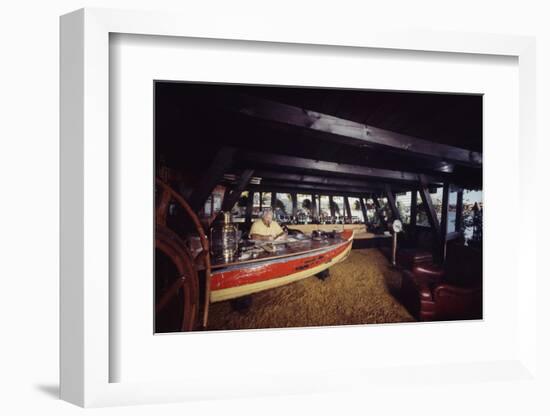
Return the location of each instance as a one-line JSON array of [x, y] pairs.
[[249, 204], [348, 208], [444, 221], [432, 215], [331, 206], [414, 213], [414, 208], [364, 210], [211, 177], [458, 223], [231, 198], [379, 211], [314, 212], [391, 202], [294, 204]]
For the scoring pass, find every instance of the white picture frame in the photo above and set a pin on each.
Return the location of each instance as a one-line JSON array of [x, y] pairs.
[[85, 210]]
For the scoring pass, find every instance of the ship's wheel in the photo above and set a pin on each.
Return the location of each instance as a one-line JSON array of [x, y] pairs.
[[176, 276], [176, 283]]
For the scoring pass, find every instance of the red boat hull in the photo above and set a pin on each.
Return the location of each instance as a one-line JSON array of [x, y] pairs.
[[244, 279]]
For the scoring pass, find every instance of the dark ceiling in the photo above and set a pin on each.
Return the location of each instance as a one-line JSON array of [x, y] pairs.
[[193, 121]]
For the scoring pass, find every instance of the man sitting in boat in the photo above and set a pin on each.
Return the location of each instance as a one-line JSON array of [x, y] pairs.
[[266, 229]]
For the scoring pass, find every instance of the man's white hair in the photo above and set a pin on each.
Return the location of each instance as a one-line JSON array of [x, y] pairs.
[[266, 211]]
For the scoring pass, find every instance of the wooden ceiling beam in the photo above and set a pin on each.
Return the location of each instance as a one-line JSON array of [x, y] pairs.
[[349, 132], [282, 187], [233, 196], [255, 159], [317, 180], [212, 175]]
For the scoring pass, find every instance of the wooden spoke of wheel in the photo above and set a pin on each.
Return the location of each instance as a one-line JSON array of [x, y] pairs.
[[172, 246], [162, 207], [161, 213], [170, 293]]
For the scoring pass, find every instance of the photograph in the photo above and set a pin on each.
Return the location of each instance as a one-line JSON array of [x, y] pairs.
[[293, 207], [234, 208]]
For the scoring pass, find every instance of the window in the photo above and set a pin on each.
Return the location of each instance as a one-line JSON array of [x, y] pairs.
[[238, 211], [385, 208], [256, 200], [208, 207], [256, 205], [283, 207], [437, 202], [421, 215], [403, 202], [338, 205], [304, 211], [304, 202], [217, 204], [266, 199], [356, 211], [472, 217], [284, 203], [213, 204], [324, 208], [451, 213], [372, 217]]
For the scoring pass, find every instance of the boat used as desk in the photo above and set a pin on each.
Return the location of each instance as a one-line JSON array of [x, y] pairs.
[[259, 266], [288, 262]]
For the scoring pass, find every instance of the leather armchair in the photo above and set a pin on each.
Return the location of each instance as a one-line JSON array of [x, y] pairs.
[[446, 302], [428, 273], [440, 298], [409, 258]]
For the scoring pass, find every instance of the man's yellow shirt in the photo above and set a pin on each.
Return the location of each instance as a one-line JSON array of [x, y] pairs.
[[260, 228]]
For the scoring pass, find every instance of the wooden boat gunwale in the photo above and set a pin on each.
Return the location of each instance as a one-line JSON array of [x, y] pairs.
[[311, 264], [276, 257]]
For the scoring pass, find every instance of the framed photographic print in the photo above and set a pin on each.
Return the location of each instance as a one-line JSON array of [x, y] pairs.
[[279, 192], [283, 213]]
